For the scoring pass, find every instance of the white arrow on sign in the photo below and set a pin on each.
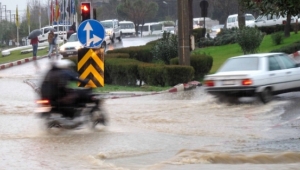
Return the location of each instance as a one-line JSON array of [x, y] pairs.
[[89, 40]]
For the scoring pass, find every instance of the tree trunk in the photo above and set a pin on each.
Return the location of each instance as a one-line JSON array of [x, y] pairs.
[[287, 26], [241, 15]]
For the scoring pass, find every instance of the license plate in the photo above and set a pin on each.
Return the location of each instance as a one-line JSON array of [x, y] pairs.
[[70, 52], [228, 82], [42, 109]]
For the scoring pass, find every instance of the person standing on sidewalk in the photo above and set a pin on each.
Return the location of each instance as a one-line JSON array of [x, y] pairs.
[[34, 42], [52, 38]]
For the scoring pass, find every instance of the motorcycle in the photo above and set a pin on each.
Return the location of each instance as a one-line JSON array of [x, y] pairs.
[[85, 112]]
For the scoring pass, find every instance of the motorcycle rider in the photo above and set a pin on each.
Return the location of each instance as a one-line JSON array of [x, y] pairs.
[[55, 88]]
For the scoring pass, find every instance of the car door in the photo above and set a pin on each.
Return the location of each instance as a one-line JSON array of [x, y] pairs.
[[291, 71], [276, 75], [271, 20], [260, 21]]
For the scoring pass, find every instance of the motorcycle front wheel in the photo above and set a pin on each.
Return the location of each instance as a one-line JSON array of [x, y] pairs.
[[98, 116]]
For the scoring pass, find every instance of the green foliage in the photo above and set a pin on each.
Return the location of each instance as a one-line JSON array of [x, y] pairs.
[[166, 48], [277, 38], [174, 74], [152, 74], [121, 71], [141, 53], [289, 49], [199, 33], [226, 36], [249, 39], [202, 64], [162, 75], [271, 29], [117, 55]]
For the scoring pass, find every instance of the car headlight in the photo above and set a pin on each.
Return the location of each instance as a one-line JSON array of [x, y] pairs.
[[62, 49], [109, 32], [79, 47]]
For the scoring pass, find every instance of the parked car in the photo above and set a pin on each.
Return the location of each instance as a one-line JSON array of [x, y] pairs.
[[112, 29], [232, 21], [71, 47], [215, 30], [270, 20], [262, 75]]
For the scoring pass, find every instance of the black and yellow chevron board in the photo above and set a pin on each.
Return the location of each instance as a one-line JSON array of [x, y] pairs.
[[91, 66]]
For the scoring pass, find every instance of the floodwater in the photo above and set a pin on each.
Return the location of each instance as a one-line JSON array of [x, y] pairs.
[[178, 131]]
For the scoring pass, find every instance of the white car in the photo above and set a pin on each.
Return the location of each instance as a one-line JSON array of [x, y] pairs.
[[71, 47], [262, 75], [271, 20]]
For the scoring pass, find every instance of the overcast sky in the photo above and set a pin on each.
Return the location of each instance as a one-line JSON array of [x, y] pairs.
[[12, 4]]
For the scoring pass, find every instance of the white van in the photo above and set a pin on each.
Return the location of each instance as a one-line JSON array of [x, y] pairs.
[[232, 21], [127, 28], [61, 30], [270, 20]]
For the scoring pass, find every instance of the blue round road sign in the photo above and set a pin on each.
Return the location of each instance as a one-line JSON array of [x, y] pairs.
[[91, 33]]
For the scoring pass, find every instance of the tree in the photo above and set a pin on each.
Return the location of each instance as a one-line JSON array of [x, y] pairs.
[[108, 10], [277, 7], [137, 11]]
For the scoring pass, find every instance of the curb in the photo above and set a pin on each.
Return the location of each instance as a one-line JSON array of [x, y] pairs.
[[118, 95], [180, 87], [19, 62]]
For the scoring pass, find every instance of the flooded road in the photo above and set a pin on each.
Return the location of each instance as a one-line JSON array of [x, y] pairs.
[[178, 131]]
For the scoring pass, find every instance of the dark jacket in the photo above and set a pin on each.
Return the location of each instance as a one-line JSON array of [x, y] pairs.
[[55, 83]]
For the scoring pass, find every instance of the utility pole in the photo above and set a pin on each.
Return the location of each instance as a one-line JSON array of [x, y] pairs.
[[0, 12], [183, 32], [9, 15]]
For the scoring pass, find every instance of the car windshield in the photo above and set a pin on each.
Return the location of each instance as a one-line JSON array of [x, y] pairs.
[[249, 17], [73, 38], [126, 26], [240, 64], [169, 28], [217, 27], [107, 24]]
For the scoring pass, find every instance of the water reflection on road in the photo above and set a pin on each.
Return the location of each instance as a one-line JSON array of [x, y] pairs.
[[183, 130]]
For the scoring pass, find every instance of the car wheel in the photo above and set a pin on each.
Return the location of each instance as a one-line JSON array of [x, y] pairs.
[[113, 39], [120, 39], [103, 45], [266, 95]]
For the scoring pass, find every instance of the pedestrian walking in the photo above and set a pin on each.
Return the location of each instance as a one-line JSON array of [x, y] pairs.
[[34, 42], [52, 39]]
